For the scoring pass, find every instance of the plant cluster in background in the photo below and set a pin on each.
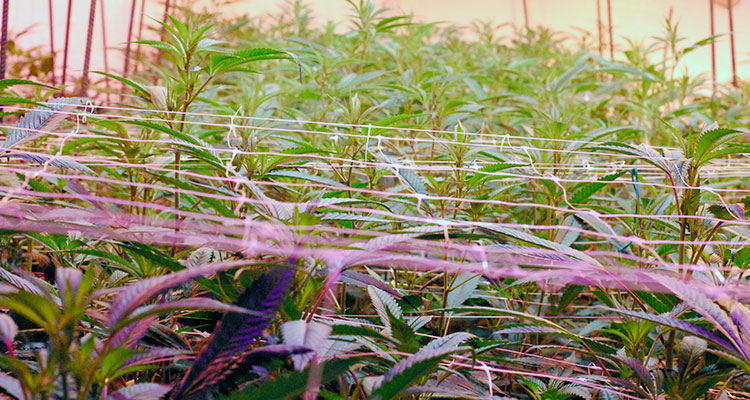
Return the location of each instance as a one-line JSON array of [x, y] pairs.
[[272, 209]]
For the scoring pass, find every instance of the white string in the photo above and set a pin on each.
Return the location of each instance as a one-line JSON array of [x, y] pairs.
[[531, 160], [726, 206], [231, 133], [367, 141], [397, 139], [338, 124]]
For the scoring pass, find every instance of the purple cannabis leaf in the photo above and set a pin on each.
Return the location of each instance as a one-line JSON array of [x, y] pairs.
[[229, 345]]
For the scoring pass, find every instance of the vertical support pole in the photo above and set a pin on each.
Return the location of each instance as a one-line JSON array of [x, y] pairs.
[[163, 31], [127, 45], [67, 43], [526, 14], [87, 56], [731, 44], [611, 40], [140, 33], [164, 19], [599, 27], [102, 16], [713, 48], [52, 40], [4, 40]]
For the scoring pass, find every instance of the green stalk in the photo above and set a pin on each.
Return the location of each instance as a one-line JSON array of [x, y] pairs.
[[696, 256]]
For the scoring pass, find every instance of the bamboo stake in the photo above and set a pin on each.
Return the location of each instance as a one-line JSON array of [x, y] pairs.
[[104, 48], [526, 14], [163, 31], [609, 21], [713, 48], [599, 27], [731, 44], [4, 40], [52, 40], [164, 19], [67, 43], [87, 56], [140, 35], [127, 45]]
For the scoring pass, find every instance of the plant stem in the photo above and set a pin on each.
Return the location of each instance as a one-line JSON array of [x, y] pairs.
[[696, 256]]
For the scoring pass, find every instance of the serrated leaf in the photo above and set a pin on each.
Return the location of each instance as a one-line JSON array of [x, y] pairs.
[[158, 44], [290, 386], [199, 257], [43, 118], [729, 211], [641, 372], [359, 279], [416, 323], [405, 174], [304, 176], [498, 167], [5, 83], [408, 371], [340, 216], [547, 244], [404, 335], [462, 289], [712, 139], [679, 325], [140, 90], [450, 341], [592, 344], [356, 330], [384, 303], [236, 333], [56, 161], [604, 228], [642, 151], [709, 310], [588, 189]]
